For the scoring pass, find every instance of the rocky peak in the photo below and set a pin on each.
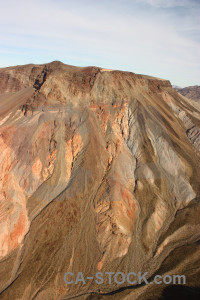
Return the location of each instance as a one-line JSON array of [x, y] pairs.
[[99, 171]]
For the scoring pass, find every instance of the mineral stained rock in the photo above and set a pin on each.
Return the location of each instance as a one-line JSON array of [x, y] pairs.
[[99, 172]]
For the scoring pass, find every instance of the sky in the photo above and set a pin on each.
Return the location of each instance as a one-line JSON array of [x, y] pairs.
[[160, 38]]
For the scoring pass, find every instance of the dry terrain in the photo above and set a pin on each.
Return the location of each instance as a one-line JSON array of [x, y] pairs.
[[99, 172], [191, 92]]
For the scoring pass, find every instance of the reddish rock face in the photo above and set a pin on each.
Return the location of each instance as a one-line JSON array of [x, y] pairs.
[[99, 172]]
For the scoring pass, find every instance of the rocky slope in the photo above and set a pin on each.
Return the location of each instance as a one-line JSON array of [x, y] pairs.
[[191, 92], [99, 172]]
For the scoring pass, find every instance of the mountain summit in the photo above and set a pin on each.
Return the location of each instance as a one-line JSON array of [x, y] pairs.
[[99, 173]]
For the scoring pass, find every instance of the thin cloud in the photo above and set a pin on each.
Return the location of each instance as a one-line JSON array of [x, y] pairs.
[[121, 35], [170, 3]]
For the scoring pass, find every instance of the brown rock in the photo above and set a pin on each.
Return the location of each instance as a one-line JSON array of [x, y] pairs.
[[99, 172]]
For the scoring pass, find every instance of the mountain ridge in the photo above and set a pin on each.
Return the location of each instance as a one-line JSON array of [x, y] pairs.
[[191, 92], [99, 172]]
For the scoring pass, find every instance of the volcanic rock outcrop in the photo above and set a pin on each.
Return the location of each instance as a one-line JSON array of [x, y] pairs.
[[99, 173]]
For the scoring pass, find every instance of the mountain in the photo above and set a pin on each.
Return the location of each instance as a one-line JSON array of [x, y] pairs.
[[99, 173], [191, 92]]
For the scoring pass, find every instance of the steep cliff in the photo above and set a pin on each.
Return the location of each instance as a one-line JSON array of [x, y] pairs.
[[99, 172]]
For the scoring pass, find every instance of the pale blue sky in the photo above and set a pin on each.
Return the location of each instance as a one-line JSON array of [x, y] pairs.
[[155, 37]]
